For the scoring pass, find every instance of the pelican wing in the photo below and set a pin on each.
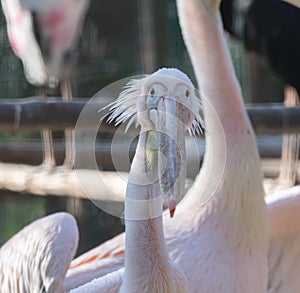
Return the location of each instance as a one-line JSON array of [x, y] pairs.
[[36, 259], [98, 262], [109, 283]]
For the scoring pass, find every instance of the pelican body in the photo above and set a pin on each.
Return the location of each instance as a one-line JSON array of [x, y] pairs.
[[42, 34]]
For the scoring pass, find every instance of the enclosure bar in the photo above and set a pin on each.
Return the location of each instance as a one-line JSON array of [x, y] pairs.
[[32, 114], [80, 183]]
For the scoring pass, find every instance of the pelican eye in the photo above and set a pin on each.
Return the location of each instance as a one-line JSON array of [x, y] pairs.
[[187, 93], [152, 100]]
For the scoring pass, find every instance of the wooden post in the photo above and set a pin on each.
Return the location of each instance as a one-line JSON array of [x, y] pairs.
[[290, 144], [146, 35], [289, 151]]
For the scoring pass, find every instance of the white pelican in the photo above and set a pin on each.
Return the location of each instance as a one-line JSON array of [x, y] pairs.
[[36, 259], [222, 242], [44, 34], [164, 104]]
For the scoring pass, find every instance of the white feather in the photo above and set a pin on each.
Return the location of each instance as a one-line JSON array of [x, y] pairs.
[[124, 108]]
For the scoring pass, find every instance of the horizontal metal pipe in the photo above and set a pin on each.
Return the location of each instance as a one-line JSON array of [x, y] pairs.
[[36, 113]]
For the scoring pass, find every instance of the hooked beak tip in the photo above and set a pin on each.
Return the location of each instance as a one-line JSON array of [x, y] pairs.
[[172, 207]]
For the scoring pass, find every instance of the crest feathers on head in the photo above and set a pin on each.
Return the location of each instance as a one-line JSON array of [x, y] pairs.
[[124, 108]]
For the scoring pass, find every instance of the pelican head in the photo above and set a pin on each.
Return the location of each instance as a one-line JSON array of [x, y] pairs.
[[164, 104]]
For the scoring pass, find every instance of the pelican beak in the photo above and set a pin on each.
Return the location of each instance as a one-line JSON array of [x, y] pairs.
[[171, 150]]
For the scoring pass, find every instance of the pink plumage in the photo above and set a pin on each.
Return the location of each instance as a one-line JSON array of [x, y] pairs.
[[41, 33]]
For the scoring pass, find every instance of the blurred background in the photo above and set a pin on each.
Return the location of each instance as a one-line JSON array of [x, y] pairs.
[[119, 39]]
